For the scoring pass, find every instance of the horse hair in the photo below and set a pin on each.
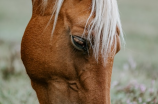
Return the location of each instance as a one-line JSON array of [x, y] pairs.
[[104, 24]]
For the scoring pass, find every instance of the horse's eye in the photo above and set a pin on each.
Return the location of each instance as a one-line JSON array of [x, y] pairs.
[[80, 43]]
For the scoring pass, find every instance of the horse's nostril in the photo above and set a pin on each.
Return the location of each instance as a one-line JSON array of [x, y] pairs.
[[73, 86]]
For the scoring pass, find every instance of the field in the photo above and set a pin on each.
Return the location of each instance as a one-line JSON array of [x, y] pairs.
[[135, 72]]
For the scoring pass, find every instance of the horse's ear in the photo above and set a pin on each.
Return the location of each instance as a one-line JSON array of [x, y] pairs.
[[118, 42]]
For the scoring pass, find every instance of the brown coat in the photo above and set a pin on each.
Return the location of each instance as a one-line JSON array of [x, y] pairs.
[[59, 73]]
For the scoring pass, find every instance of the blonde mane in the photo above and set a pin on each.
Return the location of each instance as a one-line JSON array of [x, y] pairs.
[[104, 24]]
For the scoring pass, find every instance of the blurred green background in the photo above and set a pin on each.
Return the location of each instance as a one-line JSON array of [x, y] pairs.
[[135, 72]]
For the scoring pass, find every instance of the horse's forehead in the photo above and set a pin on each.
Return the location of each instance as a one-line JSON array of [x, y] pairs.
[[78, 13], [77, 17]]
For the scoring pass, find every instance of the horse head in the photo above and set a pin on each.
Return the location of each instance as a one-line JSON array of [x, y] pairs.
[[68, 50]]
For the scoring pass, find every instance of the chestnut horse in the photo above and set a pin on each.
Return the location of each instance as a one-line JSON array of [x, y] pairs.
[[68, 50]]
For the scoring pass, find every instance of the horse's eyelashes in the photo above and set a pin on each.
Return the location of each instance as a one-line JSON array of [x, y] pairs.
[[80, 43]]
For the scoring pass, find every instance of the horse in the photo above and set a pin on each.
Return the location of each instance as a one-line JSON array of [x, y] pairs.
[[68, 50]]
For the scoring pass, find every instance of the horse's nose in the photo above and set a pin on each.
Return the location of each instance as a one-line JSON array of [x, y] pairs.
[[73, 85]]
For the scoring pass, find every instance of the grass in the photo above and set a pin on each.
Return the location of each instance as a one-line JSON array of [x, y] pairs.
[[134, 79]]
